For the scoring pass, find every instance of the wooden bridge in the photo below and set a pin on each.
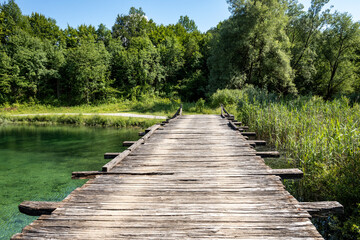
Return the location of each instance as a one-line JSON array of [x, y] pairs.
[[193, 177]]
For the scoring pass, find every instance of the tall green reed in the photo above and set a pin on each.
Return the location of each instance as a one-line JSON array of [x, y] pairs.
[[324, 139]]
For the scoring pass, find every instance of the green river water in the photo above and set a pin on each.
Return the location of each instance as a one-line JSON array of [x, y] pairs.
[[36, 164]]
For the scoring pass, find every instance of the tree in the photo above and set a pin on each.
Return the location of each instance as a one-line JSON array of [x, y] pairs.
[[10, 81], [337, 66], [137, 66], [10, 19], [28, 55], [132, 25], [252, 47], [86, 73], [188, 24], [103, 34], [45, 28], [304, 33]]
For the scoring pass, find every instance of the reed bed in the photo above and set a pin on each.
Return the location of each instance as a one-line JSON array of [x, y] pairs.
[[322, 137]]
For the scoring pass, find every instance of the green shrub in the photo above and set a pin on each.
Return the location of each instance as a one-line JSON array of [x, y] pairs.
[[200, 105]]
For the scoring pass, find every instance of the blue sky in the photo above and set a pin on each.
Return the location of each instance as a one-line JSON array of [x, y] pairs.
[[206, 13]]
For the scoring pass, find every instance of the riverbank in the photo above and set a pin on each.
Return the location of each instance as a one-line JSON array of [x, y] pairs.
[[90, 120]]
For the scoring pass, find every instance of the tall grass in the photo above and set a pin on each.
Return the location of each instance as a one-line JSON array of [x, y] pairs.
[[324, 139], [80, 120]]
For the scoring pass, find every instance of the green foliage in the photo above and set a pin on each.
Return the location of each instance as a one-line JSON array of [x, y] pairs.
[[44, 28], [187, 23], [337, 70], [226, 97], [323, 138], [132, 25], [200, 105], [87, 73], [260, 56]]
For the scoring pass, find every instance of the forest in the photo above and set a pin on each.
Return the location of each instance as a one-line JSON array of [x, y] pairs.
[[292, 74], [272, 44]]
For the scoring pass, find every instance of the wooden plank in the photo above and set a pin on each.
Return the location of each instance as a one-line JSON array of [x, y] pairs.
[[273, 154], [249, 134], [128, 143], [257, 142], [292, 173], [33, 208], [322, 209]]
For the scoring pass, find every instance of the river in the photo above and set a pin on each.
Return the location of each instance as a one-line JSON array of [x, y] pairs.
[[36, 164]]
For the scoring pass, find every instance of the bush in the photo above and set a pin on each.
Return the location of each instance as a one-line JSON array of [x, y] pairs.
[[200, 105]]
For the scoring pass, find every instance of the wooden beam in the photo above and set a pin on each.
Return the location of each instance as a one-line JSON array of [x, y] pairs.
[[290, 173], [142, 134], [237, 123], [33, 208], [135, 145], [322, 209], [273, 154], [93, 174], [231, 117], [153, 129], [128, 143], [232, 125], [107, 167]]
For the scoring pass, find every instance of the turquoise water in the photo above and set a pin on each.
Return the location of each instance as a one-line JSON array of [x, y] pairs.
[[36, 164]]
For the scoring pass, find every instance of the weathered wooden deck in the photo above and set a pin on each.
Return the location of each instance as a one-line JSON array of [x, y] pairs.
[[196, 178]]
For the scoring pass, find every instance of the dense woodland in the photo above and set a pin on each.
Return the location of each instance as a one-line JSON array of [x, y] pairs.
[[272, 44], [280, 68]]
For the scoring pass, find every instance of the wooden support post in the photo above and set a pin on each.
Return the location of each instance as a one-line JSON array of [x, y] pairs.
[[273, 154], [249, 134], [257, 142], [180, 110], [142, 134], [291, 173], [128, 143], [237, 123], [38, 208], [110, 155], [322, 209]]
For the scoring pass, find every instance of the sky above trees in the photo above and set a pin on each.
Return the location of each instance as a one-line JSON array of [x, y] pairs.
[[205, 13]]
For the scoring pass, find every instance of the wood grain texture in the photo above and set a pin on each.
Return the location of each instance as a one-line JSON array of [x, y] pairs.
[[194, 179]]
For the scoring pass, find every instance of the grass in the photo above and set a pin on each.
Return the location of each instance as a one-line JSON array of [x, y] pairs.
[[147, 105], [322, 138]]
